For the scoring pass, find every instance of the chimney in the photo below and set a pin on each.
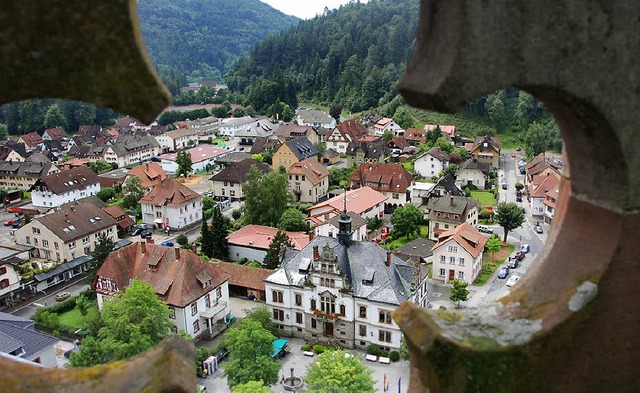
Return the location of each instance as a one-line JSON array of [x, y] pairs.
[[311, 235], [388, 261], [451, 201], [177, 253], [150, 240], [315, 253], [143, 246], [194, 247]]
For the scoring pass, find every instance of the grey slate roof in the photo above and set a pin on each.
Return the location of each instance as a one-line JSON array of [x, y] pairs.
[[237, 172], [302, 148], [13, 337], [474, 164], [360, 260], [421, 247], [357, 221], [130, 143], [448, 184]]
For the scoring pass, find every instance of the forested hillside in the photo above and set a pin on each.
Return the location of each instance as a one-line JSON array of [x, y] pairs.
[[353, 56], [201, 39]]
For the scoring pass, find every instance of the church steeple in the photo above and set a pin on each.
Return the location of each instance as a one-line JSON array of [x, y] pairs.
[[344, 224]]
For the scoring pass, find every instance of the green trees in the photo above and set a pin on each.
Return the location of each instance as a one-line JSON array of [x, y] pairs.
[[132, 190], [250, 359], [266, 197], [219, 244], [272, 259], [100, 167], [459, 292], [3, 196], [206, 241], [183, 159], [294, 220], [133, 322], [406, 221], [387, 136], [104, 246], [55, 118], [338, 371], [509, 216], [493, 245], [106, 194], [251, 387]]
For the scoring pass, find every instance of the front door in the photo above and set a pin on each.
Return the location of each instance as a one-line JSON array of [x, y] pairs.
[[328, 329], [452, 275]]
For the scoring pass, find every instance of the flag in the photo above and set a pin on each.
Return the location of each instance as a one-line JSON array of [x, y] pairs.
[[384, 383], [399, 383]]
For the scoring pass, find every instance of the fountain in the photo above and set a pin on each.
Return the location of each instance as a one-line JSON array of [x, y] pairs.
[[292, 383]]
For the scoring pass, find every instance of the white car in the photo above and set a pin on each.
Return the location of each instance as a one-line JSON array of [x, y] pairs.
[[512, 280], [525, 248]]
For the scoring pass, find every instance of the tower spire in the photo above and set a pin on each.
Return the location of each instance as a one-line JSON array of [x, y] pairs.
[[344, 224]]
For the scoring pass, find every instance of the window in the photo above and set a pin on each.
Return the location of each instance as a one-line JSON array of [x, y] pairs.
[[313, 304], [55, 244], [277, 297], [363, 330], [207, 300], [446, 226], [384, 335], [363, 312], [218, 293], [36, 231], [45, 243], [343, 310], [299, 318], [443, 259], [194, 308], [452, 260], [196, 326], [453, 248], [174, 329], [461, 275], [72, 245], [313, 323], [461, 261], [298, 299], [85, 240], [172, 312], [28, 240], [87, 250], [4, 283], [328, 304], [35, 241], [278, 314], [384, 316], [3, 270]]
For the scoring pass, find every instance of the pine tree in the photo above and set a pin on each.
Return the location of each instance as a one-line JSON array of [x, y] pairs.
[[272, 259], [219, 244], [206, 238], [104, 246]]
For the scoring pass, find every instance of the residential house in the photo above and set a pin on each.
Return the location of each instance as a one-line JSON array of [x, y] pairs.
[[364, 201], [367, 150], [53, 149], [171, 205], [415, 136], [67, 233], [449, 212], [13, 151], [423, 192], [393, 181], [262, 128], [308, 181], [252, 242], [314, 118], [61, 187], [32, 141], [231, 126], [341, 292], [11, 257], [204, 126], [228, 182], [91, 130], [195, 290], [458, 254], [21, 340], [385, 124], [203, 158], [233, 157], [111, 178], [473, 171], [330, 228], [54, 134], [431, 163], [418, 250], [287, 132], [23, 175], [177, 139], [246, 281], [265, 146], [129, 149], [541, 166], [447, 131], [487, 150], [330, 157], [123, 221], [543, 191], [348, 131], [149, 173], [292, 151], [399, 145], [550, 204]]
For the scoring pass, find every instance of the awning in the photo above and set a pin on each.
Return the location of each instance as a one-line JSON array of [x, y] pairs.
[[158, 221], [213, 311], [278, 345]]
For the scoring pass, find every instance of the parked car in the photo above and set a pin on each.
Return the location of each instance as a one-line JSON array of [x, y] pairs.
[[518, 198], [167, 243], [504, 185], [67, 354], [518, 149], [62, 296], [523, 170], [9, 222], [138, 228], [485, 229], [525, 248], [521, 163], [504, 272], [512, 280], [16, 224], [145, 233], [519, 256], [537, 229], [513, 263]]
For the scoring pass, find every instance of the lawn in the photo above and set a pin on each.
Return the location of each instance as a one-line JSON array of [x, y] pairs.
[[484, 197], [75, 319], [489, 267], [424, 229]]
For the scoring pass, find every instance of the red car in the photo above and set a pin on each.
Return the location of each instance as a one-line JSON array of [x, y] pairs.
[[9, 222], [518, 149]]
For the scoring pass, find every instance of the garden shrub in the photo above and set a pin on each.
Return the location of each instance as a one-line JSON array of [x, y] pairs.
[[373, 349], [306, 347], [395, 356], [384, 354], [319, 348]]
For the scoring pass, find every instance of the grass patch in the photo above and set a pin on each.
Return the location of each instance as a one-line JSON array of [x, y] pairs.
[[488, 267], [424, 230], [75, 319], [484, 197]]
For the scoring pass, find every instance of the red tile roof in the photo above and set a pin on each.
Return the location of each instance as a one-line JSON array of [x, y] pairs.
[[31, 139], [449, 130], [311, 168], [79, 177], [245, 276], [359, 201], [382, 177], [123, 221], [170, 192], [150, 174], [352, 128], [259, 236], [55, 133], [178, 276], [466, 236], [415, 135], [548, 183]]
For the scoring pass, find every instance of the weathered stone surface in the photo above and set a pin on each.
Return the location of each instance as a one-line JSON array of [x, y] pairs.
[[580, 58], [81, 50]]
